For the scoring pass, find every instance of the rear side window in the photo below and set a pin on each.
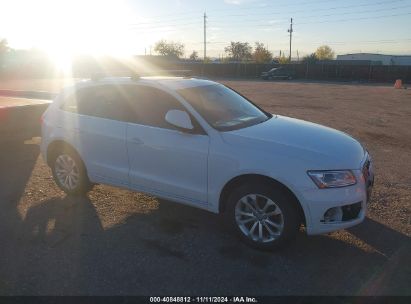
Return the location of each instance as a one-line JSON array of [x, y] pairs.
[[69, 103], [138, 104], [108, 102]]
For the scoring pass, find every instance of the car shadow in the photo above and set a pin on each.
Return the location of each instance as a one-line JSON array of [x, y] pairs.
[[17, 160], [175, 249]]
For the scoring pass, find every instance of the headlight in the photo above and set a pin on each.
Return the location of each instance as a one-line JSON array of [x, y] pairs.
[[332, 179]]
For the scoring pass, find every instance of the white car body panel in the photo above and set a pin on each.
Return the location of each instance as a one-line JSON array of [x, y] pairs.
[[193, 169], [168, 161]]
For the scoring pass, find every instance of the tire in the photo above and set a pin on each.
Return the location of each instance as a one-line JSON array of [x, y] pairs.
[[69, 172], [281, 211]]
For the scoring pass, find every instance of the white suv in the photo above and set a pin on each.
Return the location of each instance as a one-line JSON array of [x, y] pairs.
[[200, 143]]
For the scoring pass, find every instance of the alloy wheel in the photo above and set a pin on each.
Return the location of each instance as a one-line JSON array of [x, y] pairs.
[[67, 172], [259, 218]]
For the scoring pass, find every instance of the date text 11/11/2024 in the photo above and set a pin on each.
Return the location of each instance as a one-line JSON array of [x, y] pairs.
[[203, 300]]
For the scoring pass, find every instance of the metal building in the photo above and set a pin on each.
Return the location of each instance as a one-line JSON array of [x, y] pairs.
[[380, 58]]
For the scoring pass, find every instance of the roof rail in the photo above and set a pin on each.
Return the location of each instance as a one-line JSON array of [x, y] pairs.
[[96, 76]]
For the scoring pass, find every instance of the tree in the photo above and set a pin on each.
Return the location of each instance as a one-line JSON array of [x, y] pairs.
[[261, 54], [194, 56], [324, 52], [283, 60], [239, 51], [172, 49], [312, 58]]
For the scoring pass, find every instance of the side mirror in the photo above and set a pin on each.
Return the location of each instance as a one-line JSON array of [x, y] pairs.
[[179, 119]]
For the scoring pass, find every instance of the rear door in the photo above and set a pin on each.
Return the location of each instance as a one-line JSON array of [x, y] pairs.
[[100, 132], [163, 160]]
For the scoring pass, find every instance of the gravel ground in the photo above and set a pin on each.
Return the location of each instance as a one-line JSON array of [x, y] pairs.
[[115, 242]]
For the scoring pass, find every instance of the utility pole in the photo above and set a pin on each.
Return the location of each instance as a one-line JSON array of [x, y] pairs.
[[290, 30], [205, 36]]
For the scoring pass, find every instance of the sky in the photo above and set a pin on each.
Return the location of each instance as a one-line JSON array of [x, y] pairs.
[[124, 27]]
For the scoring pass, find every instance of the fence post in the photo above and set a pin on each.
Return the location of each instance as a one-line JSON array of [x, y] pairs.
[[306, 71], [322, 70], [369, 73]]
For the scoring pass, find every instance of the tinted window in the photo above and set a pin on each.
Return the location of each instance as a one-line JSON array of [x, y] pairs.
[[108, 102], [70, 103], [150, 106]]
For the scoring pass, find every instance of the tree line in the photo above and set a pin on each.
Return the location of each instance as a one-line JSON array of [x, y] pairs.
[[236, 51], [242, 52]]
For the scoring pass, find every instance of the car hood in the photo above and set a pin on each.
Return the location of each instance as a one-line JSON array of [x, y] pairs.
[[322, 147]]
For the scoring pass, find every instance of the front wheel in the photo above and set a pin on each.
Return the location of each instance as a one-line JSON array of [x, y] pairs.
[[262, 215]]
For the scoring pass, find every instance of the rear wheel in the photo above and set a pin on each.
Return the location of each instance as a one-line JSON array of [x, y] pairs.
[[69, 172], [262, 215]]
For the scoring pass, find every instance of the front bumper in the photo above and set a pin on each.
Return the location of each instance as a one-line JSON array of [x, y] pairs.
[[351, 201]]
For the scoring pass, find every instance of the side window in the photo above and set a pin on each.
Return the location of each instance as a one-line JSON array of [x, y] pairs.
[[104, 101], [150, 106], [69, 103]]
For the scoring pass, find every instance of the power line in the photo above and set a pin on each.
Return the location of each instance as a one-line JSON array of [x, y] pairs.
[[290, 30], [353, 19], [151, 28], [317, 10], [196, 12], [320, 16], [148, 23], [340, 20], [361, 42]]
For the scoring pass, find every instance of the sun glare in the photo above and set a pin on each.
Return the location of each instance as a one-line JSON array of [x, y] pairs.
[[66, 28]]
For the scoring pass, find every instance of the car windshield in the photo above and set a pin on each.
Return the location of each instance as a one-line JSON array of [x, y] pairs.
[[223, 108]]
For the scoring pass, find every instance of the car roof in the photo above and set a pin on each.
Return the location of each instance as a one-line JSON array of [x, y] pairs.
[[172, 83]]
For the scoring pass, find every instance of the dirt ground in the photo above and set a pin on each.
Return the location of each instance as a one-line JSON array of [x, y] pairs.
[[115, 242], [47, 85]]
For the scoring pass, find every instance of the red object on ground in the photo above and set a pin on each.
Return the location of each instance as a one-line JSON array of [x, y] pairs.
[[398, 84]]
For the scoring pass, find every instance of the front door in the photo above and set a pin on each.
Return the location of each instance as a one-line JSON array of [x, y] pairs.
[[163, 160]]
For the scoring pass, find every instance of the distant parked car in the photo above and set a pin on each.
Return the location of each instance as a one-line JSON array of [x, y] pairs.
[[278, 73], [200, 143]]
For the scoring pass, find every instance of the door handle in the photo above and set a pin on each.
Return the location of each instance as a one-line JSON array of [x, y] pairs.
[[137, 141]]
